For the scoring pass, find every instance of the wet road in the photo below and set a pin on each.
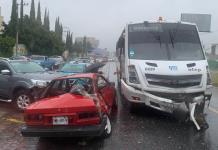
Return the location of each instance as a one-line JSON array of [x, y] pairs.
[[144, 129]]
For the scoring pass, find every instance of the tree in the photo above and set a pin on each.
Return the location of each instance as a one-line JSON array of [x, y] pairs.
[[32, 11], [39, 20], [12, 27], [58, 28], [6, 46], [69, 41], [46, 20], [21, 15]]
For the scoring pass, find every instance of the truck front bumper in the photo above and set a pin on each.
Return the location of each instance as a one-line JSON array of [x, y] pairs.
[[156, 102]]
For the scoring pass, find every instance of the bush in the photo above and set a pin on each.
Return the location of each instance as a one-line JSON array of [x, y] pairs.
[[6, 46]]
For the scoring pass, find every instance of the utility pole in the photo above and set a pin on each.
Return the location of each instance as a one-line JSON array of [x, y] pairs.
[[17, 34]]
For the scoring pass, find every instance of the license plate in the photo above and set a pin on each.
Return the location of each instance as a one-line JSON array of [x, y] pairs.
[[60, 120]]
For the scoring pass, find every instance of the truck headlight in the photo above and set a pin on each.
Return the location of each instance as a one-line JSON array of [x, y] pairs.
[[133, 76], [209, 81], [39, 83]]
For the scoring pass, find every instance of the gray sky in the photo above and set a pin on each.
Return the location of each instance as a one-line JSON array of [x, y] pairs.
[[105, 19]]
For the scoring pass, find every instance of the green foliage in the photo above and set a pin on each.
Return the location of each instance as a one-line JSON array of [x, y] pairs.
[[32, 11], [213, 65], [6, 46], [21, 16], [46, 20], [13, 24], [39, 40], [39, 20], [69, 41], [58, 28]]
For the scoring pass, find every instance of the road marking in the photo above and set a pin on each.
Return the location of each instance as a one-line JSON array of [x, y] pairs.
[[213, 110], [14, 120]]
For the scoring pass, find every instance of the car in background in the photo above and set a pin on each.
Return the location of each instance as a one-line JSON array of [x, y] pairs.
[[72, 106], [72, 68], [43, 61], [21, 81], [38, 59], [59, 61], [19, 58]]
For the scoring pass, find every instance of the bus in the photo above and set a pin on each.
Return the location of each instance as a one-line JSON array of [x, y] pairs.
[[163, 65]]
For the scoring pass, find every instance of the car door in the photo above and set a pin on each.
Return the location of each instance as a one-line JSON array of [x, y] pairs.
[[105, 90], [5, 83]]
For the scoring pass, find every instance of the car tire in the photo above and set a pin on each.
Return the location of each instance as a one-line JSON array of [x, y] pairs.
[[22, 99], [108, 128]]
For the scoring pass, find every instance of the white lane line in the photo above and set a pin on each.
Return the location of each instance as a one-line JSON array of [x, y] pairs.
[[213, 110]]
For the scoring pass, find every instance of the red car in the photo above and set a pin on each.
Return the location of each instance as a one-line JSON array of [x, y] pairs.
[[72, 106]]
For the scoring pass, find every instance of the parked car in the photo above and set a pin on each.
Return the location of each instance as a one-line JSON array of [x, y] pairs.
[[19, 58], [44, 61], [58, 61], [38, 59], [72, 68], [20, 81], [72, 106]]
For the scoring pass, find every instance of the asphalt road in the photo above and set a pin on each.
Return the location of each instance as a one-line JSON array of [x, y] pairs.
[[145, 129]]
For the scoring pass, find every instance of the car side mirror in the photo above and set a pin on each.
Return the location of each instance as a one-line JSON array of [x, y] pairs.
[[6, 72]]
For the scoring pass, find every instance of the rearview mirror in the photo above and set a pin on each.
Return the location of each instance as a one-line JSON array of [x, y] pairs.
[[5, 72]]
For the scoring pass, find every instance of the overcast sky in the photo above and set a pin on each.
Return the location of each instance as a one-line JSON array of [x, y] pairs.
[[105, 19]]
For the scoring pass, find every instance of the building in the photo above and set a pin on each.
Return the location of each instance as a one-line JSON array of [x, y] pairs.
[[93, 41], [1, 22]]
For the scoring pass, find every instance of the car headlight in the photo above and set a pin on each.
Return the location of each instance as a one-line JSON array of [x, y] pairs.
[[39, 83], [209, 80], [133, 76]]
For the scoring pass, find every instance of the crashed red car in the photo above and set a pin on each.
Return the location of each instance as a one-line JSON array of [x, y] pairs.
[[64, 112]]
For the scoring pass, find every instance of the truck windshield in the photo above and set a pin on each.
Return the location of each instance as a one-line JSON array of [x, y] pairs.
[[164, 41]]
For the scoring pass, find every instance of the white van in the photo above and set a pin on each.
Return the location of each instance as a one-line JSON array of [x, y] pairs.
[[163, 66]]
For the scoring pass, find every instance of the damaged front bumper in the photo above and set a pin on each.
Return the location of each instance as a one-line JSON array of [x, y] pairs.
[[188, 105]]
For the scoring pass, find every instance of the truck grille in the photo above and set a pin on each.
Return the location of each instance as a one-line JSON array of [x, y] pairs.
[[174, 81], [177, 97]]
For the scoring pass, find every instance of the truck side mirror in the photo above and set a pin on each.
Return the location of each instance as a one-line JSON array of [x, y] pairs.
[[5, 72]]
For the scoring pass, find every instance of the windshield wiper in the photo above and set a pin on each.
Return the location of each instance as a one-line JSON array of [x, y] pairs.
[[171, 38], [156, 37]]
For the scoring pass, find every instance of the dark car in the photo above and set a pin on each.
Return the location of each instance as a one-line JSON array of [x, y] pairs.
[[72, 106], [21, 81]]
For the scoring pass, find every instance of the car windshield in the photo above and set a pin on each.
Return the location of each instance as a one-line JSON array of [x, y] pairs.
[[26, 67], [74, 68], [164, 41]]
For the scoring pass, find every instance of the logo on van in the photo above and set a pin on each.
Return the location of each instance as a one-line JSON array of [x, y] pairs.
[[173, 68]]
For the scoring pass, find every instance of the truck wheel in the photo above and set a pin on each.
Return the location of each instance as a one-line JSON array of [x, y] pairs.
[[22, 99], [107, 128]]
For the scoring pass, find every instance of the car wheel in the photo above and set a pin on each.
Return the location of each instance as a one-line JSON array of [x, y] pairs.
[[107, 128], [22, 99]]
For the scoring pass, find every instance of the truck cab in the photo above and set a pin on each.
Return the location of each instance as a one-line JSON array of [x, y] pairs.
[[163, 65]]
